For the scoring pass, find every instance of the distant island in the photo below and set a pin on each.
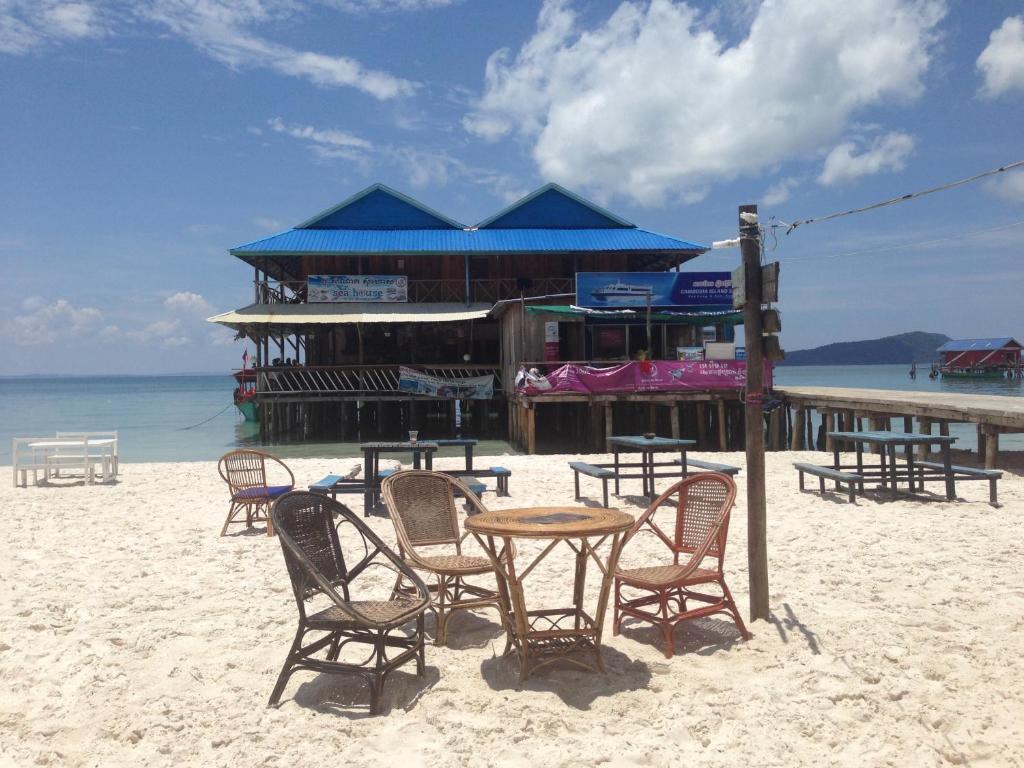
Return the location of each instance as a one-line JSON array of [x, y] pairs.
[[914, 347]]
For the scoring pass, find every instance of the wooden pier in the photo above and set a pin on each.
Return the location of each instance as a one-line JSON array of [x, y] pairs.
[[847, 409]]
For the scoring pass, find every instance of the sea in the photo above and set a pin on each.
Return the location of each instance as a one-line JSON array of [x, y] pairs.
[[192, 418]]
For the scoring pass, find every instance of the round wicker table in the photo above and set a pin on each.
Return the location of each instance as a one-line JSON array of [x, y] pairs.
[[541, 636]]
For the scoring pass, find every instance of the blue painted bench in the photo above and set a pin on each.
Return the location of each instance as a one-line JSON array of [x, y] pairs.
[[591, 470], [851, 481]]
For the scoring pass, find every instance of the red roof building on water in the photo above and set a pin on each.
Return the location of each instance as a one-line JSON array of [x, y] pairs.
[[1001, 353]]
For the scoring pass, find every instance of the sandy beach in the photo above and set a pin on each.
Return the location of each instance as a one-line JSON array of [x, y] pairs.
[[133, 635]]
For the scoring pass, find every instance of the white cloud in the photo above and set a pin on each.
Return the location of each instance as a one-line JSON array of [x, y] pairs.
[[378, 6], [268, 223], [1002, 62], [780, 191], [653, 102], [158, 330], [1009, 186], [421, 167], [325, 142], [188, 303], [47, 323], [222, 29], [173, 342], [886, 153], [26, 25]]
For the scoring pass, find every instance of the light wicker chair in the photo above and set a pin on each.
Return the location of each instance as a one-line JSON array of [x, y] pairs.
[[701, 528], [245, 472], [422, 508], [307, 525]]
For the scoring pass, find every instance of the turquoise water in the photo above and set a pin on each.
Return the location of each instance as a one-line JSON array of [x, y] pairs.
[[151, 412]]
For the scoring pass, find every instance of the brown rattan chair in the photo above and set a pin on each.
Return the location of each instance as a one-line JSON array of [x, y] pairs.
[[245, 472], [701, 529], [422, 507], [307, 525]]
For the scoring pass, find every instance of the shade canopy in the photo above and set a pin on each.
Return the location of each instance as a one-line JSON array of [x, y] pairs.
[[355, 312]]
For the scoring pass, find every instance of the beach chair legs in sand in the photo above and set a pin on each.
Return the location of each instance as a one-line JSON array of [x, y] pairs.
[[373, 670], [448, 594], [667, 609], [254, 513]]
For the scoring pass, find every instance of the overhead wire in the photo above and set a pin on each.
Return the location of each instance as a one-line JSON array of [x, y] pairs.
[[904, 198]]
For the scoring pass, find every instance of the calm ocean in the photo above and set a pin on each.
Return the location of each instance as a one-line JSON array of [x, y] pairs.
[[151, 413]]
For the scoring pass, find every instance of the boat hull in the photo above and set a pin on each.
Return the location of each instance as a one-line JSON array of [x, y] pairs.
[[249, 410], [974, 374]]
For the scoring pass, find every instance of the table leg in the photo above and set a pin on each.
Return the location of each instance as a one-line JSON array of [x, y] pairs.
[[369, 477], [892, 469], [580, 581], [616, 454], [429, 460], [835, 458], [860, 466], [947, 467], [415, 458], [910, 473], [682, 459], [469, 458], [883, 454]]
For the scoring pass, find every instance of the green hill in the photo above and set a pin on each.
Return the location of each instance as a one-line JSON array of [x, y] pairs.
[[914, 347]]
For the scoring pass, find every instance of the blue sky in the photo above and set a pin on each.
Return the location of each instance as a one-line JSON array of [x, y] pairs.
[[142, 140]]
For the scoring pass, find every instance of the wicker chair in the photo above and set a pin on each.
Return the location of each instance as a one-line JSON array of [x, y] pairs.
[[245, 472], [306, 526], [422, 507], [701, 529]]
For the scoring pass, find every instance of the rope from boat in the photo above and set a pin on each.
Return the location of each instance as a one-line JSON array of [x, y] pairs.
[[229, 405]]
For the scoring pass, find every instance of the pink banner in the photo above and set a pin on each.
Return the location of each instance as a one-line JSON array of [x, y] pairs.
[[645, 376]]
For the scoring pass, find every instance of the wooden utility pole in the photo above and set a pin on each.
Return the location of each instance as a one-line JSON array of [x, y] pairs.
[[757, 529]]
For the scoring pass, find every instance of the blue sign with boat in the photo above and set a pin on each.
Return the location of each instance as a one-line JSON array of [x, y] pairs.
[[664, 289]]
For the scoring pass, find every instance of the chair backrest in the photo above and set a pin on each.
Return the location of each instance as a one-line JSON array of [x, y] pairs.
[[422, 507], [246, 468], [703, 507], [243, 469], [307, 527]]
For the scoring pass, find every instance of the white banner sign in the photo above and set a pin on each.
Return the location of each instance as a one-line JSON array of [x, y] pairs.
[[475, 388], [340, 288]]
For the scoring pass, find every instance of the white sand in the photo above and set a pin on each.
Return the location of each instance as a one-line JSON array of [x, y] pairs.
[[133, 635]]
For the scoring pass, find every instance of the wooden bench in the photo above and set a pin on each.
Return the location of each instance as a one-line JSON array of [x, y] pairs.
[[969, 473], [710, 466], [591, 470], [827, 473]]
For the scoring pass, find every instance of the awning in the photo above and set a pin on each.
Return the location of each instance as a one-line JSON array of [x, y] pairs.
[[672, 317], [355, 312]]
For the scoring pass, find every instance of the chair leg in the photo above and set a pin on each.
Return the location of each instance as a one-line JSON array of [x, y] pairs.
[[576, 480], [232, 511], [286, 670], [731, 605], [666, 634], [992, 498], [605, 483], [441, 629], [421, 657]]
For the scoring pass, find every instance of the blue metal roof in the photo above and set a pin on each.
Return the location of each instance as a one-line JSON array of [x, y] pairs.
[[403, 242], [380, 207], [968, 345], [553, 207]]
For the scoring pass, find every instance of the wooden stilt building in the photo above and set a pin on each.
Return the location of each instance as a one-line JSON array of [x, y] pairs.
[[380, 315]]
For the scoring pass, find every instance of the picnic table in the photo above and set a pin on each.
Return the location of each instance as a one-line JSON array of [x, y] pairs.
[[371, 465], [467, 443], [539, 636], [647, 447], [889, 472]]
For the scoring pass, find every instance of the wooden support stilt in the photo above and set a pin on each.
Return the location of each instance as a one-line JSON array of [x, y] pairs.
[[811, 444], [944, 428], [723, 435], [674, 416], [981, 441], [799, 430], [830, 426], [991, 447], [531, 430], [908, 424], [702, 426], [608, 425], [596, 427], [925, 429]]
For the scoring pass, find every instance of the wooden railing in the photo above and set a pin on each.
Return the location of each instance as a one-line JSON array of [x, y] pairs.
[[356, 379], [436, 291]]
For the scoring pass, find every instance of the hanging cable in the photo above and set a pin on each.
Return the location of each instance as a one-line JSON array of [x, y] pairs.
[[904, 198]]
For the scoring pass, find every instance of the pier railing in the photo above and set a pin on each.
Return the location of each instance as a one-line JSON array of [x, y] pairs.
[[438, 291], [319, 380]]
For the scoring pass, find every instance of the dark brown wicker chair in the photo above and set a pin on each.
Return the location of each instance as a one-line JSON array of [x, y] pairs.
[[245, 472], [422, 507], [701, 529], [306, 525]]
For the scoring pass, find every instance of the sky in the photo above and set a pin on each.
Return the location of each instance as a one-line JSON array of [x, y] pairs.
[[139, 141]]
